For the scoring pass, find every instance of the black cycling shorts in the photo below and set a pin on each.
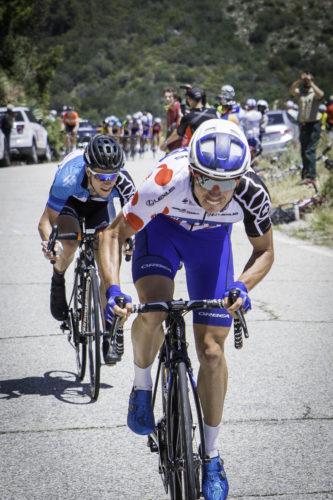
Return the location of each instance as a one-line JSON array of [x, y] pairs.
[[69, 128], [98, 214]]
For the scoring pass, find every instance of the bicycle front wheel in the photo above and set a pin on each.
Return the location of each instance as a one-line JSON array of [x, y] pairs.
[[75, 318], [93, 326], [179, 434]]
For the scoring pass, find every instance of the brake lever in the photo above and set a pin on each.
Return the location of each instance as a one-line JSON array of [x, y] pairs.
[[52, 240]]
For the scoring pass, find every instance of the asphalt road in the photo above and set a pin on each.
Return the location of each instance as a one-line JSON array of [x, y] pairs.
[[55, 443]]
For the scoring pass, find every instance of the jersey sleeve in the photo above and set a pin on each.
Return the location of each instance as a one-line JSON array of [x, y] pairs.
[[61, 189], [125, 187], [151, 198], [67, 181], [253, 197]]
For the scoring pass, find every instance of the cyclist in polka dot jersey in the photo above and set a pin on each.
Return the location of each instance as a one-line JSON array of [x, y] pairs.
[[184, 211]]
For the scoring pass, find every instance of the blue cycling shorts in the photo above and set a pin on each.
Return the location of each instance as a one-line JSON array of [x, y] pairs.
[[207, 258]]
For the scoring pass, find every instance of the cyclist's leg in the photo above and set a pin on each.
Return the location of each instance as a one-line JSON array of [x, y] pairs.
[[147, 330], [209, 280], [74, 139], [58, 301], [213, 372], [67, 224], [154, 253], [155, 264], [209, 271]]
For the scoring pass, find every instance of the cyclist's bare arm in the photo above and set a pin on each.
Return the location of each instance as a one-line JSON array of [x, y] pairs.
[[46, 222], [172, 138], [112, 241], [258, 265]]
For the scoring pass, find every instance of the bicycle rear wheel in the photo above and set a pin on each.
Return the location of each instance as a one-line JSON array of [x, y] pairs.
[[93, 325], [75, 318], [182, 476]]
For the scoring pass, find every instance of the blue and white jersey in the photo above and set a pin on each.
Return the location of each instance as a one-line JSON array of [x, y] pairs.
[[71, 180]]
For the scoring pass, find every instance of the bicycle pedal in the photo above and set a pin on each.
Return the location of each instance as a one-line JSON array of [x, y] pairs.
[[152, 445]]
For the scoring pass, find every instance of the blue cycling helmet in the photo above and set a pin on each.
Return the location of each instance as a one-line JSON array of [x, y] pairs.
[[219, 149]]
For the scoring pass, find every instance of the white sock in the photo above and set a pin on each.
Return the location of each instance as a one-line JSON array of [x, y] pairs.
[[142, 378], [212, 440]]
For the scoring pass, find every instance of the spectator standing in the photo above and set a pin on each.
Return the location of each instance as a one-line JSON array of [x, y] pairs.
[[7, 122], [308, 95], [172, 102], [196, 100]]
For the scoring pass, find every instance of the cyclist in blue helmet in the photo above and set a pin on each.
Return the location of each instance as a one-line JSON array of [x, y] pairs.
[[184, 211]]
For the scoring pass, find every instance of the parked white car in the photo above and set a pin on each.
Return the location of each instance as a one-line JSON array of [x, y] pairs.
[[278, 134], [28, 137]]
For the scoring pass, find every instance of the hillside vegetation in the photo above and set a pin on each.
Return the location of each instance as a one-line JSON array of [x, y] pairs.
[[115, 56]]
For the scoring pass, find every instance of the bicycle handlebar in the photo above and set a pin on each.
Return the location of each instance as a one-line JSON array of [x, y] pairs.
[[190, 305], [90, 235]]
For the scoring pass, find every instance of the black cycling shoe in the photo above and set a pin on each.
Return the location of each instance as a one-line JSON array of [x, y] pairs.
[[58, 302], [110, 354]]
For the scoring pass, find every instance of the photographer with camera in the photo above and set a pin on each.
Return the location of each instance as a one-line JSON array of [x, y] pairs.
[[308, 95]]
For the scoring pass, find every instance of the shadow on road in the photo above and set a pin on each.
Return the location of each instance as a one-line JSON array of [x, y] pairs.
[[63, 385]]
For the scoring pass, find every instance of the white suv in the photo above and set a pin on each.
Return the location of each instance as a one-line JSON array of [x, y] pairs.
[[28, 137]]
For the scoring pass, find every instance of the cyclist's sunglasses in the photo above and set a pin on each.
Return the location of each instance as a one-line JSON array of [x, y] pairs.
[[103, 177], [209, 183]]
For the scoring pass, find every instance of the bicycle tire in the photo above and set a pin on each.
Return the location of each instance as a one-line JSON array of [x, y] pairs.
[[79, 340], [93, 325], [161, 428], [179, 437]]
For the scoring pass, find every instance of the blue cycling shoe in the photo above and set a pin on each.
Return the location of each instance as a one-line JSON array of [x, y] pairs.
[[214, 480], [140, 417]]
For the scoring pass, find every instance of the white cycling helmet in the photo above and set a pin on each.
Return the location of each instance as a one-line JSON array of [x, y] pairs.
[[228, 95], [290, 104], [263, 103], [219, 149], [251, 103], [228, 90]]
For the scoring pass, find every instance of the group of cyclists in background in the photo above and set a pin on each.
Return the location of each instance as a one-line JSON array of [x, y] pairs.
[[141, 131]]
